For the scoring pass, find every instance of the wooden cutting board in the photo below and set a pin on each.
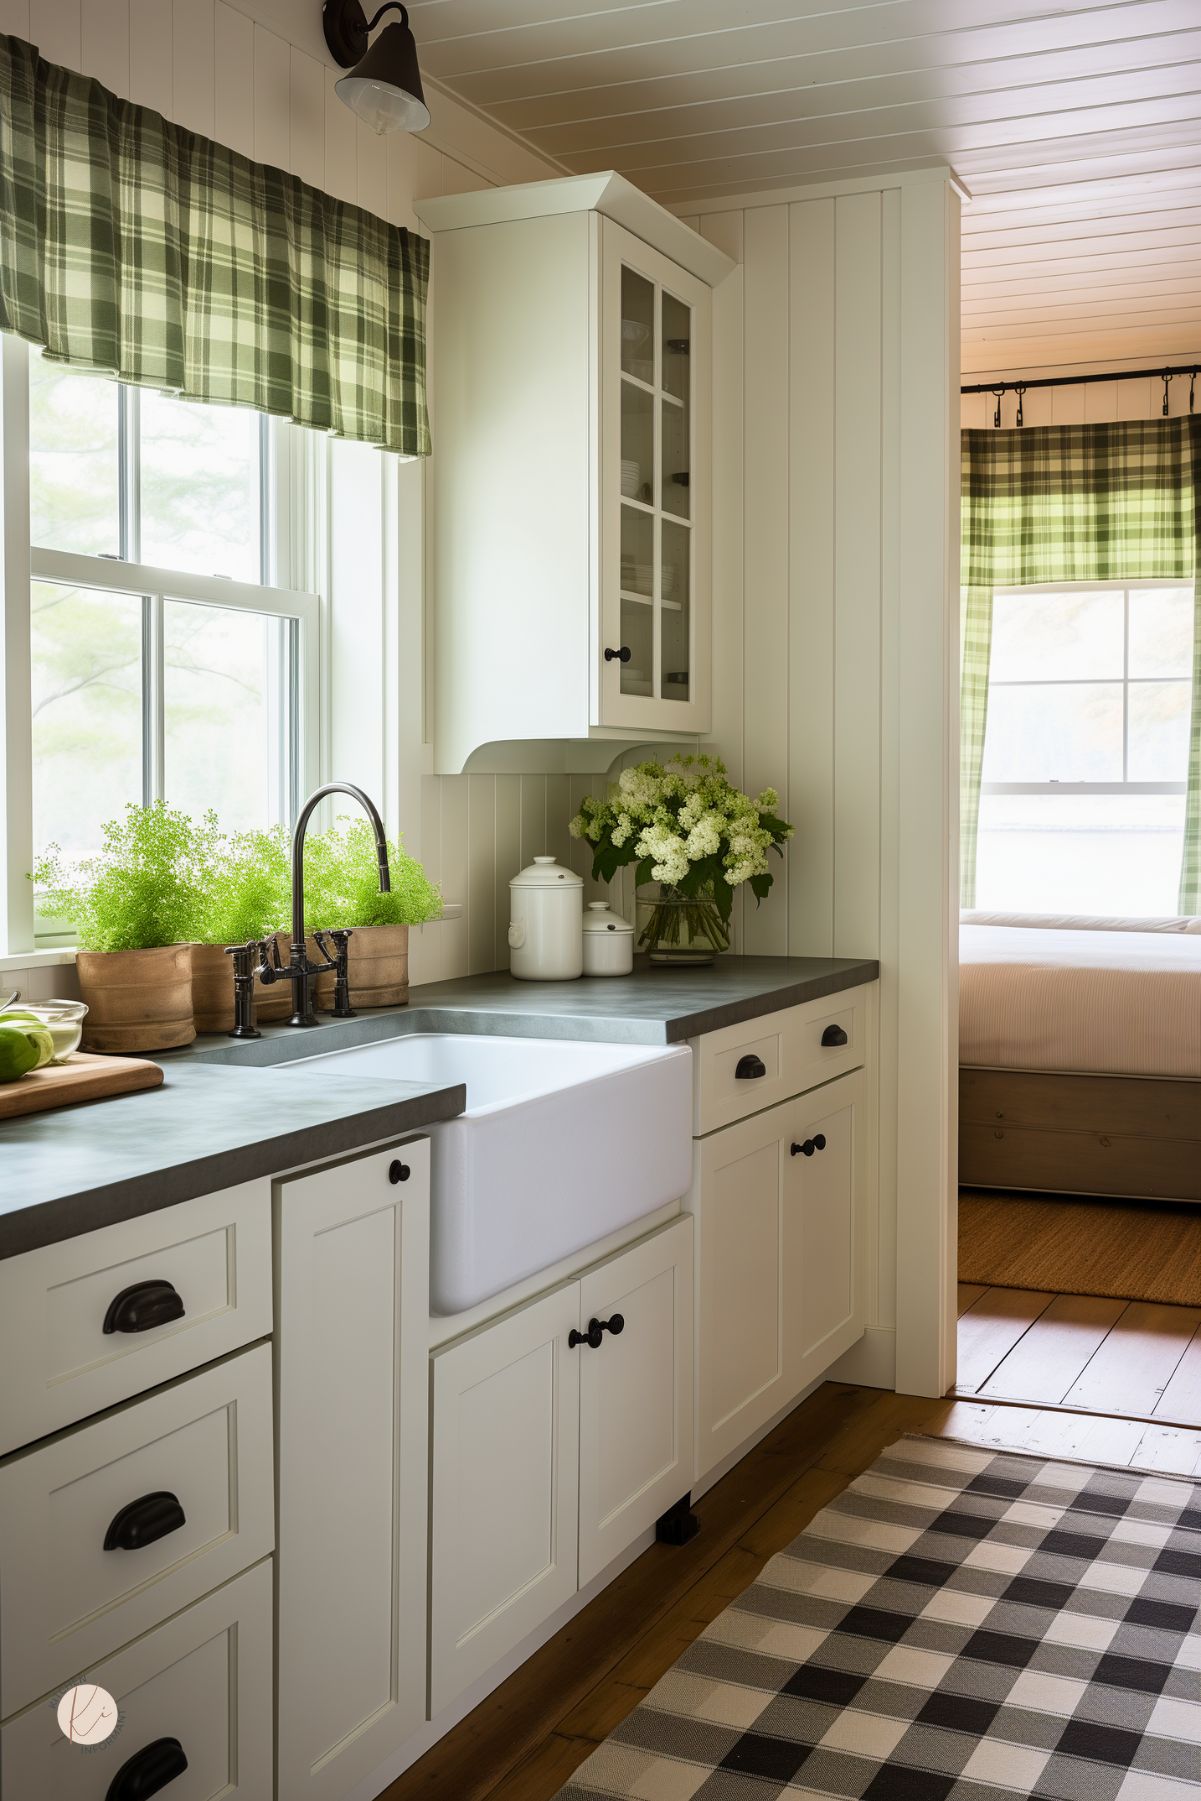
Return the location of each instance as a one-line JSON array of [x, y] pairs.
[[81, 1078]]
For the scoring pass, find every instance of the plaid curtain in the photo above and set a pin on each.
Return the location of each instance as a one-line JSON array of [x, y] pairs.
[[1075, 503], [131, 246]]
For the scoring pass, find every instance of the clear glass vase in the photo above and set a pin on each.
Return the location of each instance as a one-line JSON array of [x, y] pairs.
[[682, 929]]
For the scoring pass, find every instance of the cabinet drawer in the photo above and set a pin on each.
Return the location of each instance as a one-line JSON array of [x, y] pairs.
[[61, 1364], [197, 1455], [203, 1679], [745, 1068]]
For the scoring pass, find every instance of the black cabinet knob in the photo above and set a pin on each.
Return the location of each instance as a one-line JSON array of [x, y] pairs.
[[748, 1068], [809, 1145], [833, 1035], [618, 656], [148, 1771], [140, 1522], [398, 1171], [142, 1307], [595, 1335]]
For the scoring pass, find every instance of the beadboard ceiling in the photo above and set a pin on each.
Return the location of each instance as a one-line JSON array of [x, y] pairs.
[[1076, 126]]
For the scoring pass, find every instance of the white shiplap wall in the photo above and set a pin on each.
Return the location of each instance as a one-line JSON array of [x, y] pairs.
[[835, 538], [255, 75]]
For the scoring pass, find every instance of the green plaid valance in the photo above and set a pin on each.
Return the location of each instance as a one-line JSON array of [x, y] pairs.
[[134, 247], [1080, 503]]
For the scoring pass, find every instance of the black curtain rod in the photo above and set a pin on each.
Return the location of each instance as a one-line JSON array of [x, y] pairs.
[[1073, 381]]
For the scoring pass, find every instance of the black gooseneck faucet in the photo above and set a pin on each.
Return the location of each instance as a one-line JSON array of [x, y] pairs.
[[301, 968]]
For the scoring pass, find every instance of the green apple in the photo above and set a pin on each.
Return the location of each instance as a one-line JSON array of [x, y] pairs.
[[23, 1047]]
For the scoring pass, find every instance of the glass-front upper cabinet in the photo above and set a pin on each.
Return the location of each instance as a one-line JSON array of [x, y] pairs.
[[653, 656]]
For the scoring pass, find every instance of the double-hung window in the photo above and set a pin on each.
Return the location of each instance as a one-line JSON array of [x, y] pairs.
[[168, 657], [1086, 753]]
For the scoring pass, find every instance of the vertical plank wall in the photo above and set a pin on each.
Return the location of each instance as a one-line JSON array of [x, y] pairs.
[[255, 74], [828, 387]]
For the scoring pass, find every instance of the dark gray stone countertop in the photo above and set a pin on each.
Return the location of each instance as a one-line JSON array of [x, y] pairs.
[[229, 1112], [77, 1168], [652, 1006]]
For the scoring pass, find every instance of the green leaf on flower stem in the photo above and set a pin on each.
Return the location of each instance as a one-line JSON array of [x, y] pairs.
[[761, 886]]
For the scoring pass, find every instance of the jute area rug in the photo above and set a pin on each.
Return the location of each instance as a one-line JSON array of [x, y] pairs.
[[958, 1625], [1127, 1250]]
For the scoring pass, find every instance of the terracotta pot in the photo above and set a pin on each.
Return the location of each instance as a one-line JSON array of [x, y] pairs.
[[213, 989], [378, 965], [137, 1000]]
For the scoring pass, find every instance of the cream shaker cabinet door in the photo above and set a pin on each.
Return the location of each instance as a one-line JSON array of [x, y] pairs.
[[739, 1200], [635, 1367], [107, 1530], [504, 1487], [91, 1321], [827, 1229], [351, 1347], [193, 1702]]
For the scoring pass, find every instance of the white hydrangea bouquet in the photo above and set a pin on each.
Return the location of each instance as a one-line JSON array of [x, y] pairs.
[[685, 826]]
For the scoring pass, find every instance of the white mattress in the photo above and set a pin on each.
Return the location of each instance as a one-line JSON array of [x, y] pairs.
[[1086, 1002]]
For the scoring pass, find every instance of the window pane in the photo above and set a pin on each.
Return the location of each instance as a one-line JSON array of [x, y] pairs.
[[1161, 631], [1079, 853], [1055, 733], [200, 487], [1159, 727], [217, 711], [74, 494], [1047, 636], [87, 712]]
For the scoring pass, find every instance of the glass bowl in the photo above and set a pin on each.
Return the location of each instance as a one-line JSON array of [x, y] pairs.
[[62, 1019]]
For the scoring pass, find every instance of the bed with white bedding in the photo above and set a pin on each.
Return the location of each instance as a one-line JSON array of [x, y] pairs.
[[1080, 1055]]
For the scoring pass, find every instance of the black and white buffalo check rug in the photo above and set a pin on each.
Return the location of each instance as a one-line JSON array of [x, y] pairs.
[[958, 1625]]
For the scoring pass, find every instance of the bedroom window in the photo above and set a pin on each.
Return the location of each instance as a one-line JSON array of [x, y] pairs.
[[1085, 757]]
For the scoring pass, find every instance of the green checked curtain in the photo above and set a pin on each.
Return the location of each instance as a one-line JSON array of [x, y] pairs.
[[1074, 503], [133, 247]]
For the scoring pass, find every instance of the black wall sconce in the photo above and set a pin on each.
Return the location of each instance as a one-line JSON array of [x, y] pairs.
[[384, 83]]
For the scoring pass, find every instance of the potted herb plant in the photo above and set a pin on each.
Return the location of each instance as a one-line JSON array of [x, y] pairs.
[[135, 907], [246, 893], [341, 884], [685, 826]]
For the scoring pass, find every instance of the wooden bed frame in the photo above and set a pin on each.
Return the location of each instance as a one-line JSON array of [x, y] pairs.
[[1133, 1136]]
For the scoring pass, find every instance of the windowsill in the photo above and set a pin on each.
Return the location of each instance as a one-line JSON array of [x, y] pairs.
[[62, 955]]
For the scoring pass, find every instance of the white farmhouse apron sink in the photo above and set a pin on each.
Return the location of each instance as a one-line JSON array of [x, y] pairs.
[[561, 1143]]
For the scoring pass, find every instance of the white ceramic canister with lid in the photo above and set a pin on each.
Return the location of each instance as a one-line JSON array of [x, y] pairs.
[[608, 942], [546, 908]]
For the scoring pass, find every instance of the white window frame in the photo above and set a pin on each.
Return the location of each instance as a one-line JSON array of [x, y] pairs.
[[1122, 787], [21, 564]]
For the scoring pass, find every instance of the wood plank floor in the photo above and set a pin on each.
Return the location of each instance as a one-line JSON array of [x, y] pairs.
[[523, 1742], [1131, 1358]]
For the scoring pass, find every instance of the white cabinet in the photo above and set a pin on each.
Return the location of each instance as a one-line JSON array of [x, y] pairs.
[[560, 1433], [352, 1243], [780, 1255], [90, 1321], [107, 1530], [571, 401], [194, 1702], [635, 1394], [504, 1481]]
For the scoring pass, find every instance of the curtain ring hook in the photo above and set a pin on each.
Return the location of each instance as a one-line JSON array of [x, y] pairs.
[[1166, 379], [1192, 387], [1019, 390], [996, 418]]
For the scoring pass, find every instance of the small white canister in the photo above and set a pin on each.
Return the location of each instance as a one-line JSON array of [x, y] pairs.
[[608, 942], [546, 908]]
